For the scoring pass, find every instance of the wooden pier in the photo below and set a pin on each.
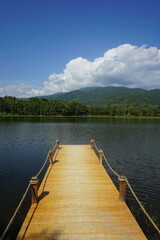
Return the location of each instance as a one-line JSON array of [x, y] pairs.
[[78, 200]]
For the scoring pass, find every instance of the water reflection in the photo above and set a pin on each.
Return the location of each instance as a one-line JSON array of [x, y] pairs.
[[131, 146]]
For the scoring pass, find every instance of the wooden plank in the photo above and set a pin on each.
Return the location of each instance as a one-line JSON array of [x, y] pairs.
[[78, 200]]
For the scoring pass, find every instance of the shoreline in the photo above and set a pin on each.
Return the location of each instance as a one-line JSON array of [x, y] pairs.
[[8, 115]]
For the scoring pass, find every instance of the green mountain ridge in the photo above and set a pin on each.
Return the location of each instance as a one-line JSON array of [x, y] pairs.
[[99, 96]]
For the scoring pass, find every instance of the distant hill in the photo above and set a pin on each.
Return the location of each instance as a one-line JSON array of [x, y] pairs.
[[110, 95]]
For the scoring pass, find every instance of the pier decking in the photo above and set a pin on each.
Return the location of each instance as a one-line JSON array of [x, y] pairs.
[[78, 200]]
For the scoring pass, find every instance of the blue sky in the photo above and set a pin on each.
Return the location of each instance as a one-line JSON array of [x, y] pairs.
[[49, 46]]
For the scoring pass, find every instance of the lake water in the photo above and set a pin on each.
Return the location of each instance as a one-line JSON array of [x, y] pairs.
[[131, 146]]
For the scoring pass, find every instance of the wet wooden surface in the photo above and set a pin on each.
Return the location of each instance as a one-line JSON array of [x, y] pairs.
[[78, 200]]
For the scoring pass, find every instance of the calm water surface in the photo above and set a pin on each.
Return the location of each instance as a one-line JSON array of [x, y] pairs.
[[131, 146]]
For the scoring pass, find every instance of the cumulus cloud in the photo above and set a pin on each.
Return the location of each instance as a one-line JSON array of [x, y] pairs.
[[127, 65]]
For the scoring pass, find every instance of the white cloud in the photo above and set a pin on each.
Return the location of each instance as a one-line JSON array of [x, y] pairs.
[[19, 90], [126, 65], [14, 90]]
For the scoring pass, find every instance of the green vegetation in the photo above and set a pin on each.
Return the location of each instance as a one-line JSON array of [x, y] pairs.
[[10, 106], [100, 96]]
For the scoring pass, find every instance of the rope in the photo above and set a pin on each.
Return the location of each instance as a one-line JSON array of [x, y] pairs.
[[44, 163], [17, 209], [42, 166], [110, 166], [140, 204], [96, 147], [150, 219], [24, 195], [107, 161]]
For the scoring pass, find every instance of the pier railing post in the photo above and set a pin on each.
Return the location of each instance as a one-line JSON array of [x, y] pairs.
[[51, 156], [57, 143], [34, 189], [100, 156], [122, 188], [92, 144]]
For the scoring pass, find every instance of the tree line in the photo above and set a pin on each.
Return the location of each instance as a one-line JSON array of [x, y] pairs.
[[42, 106]]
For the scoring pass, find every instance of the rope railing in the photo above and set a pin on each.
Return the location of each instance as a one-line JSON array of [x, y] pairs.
[[121, 179], [15, 213], [104, 157], [43, 166], [140, 204], [55, 146], [124, 179], [27, 189], [96, 147], [110, 166]]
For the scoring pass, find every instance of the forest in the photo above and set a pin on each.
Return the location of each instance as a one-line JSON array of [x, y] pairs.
[[48, 107]]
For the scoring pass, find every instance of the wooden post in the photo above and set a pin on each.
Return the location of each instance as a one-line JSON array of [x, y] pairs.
[[57, 143], [34, 189], [92, 144], [51, 156], [122, 188], [100, 156]]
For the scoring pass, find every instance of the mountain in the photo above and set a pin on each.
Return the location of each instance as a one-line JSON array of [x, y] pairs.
[[110, 95]]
